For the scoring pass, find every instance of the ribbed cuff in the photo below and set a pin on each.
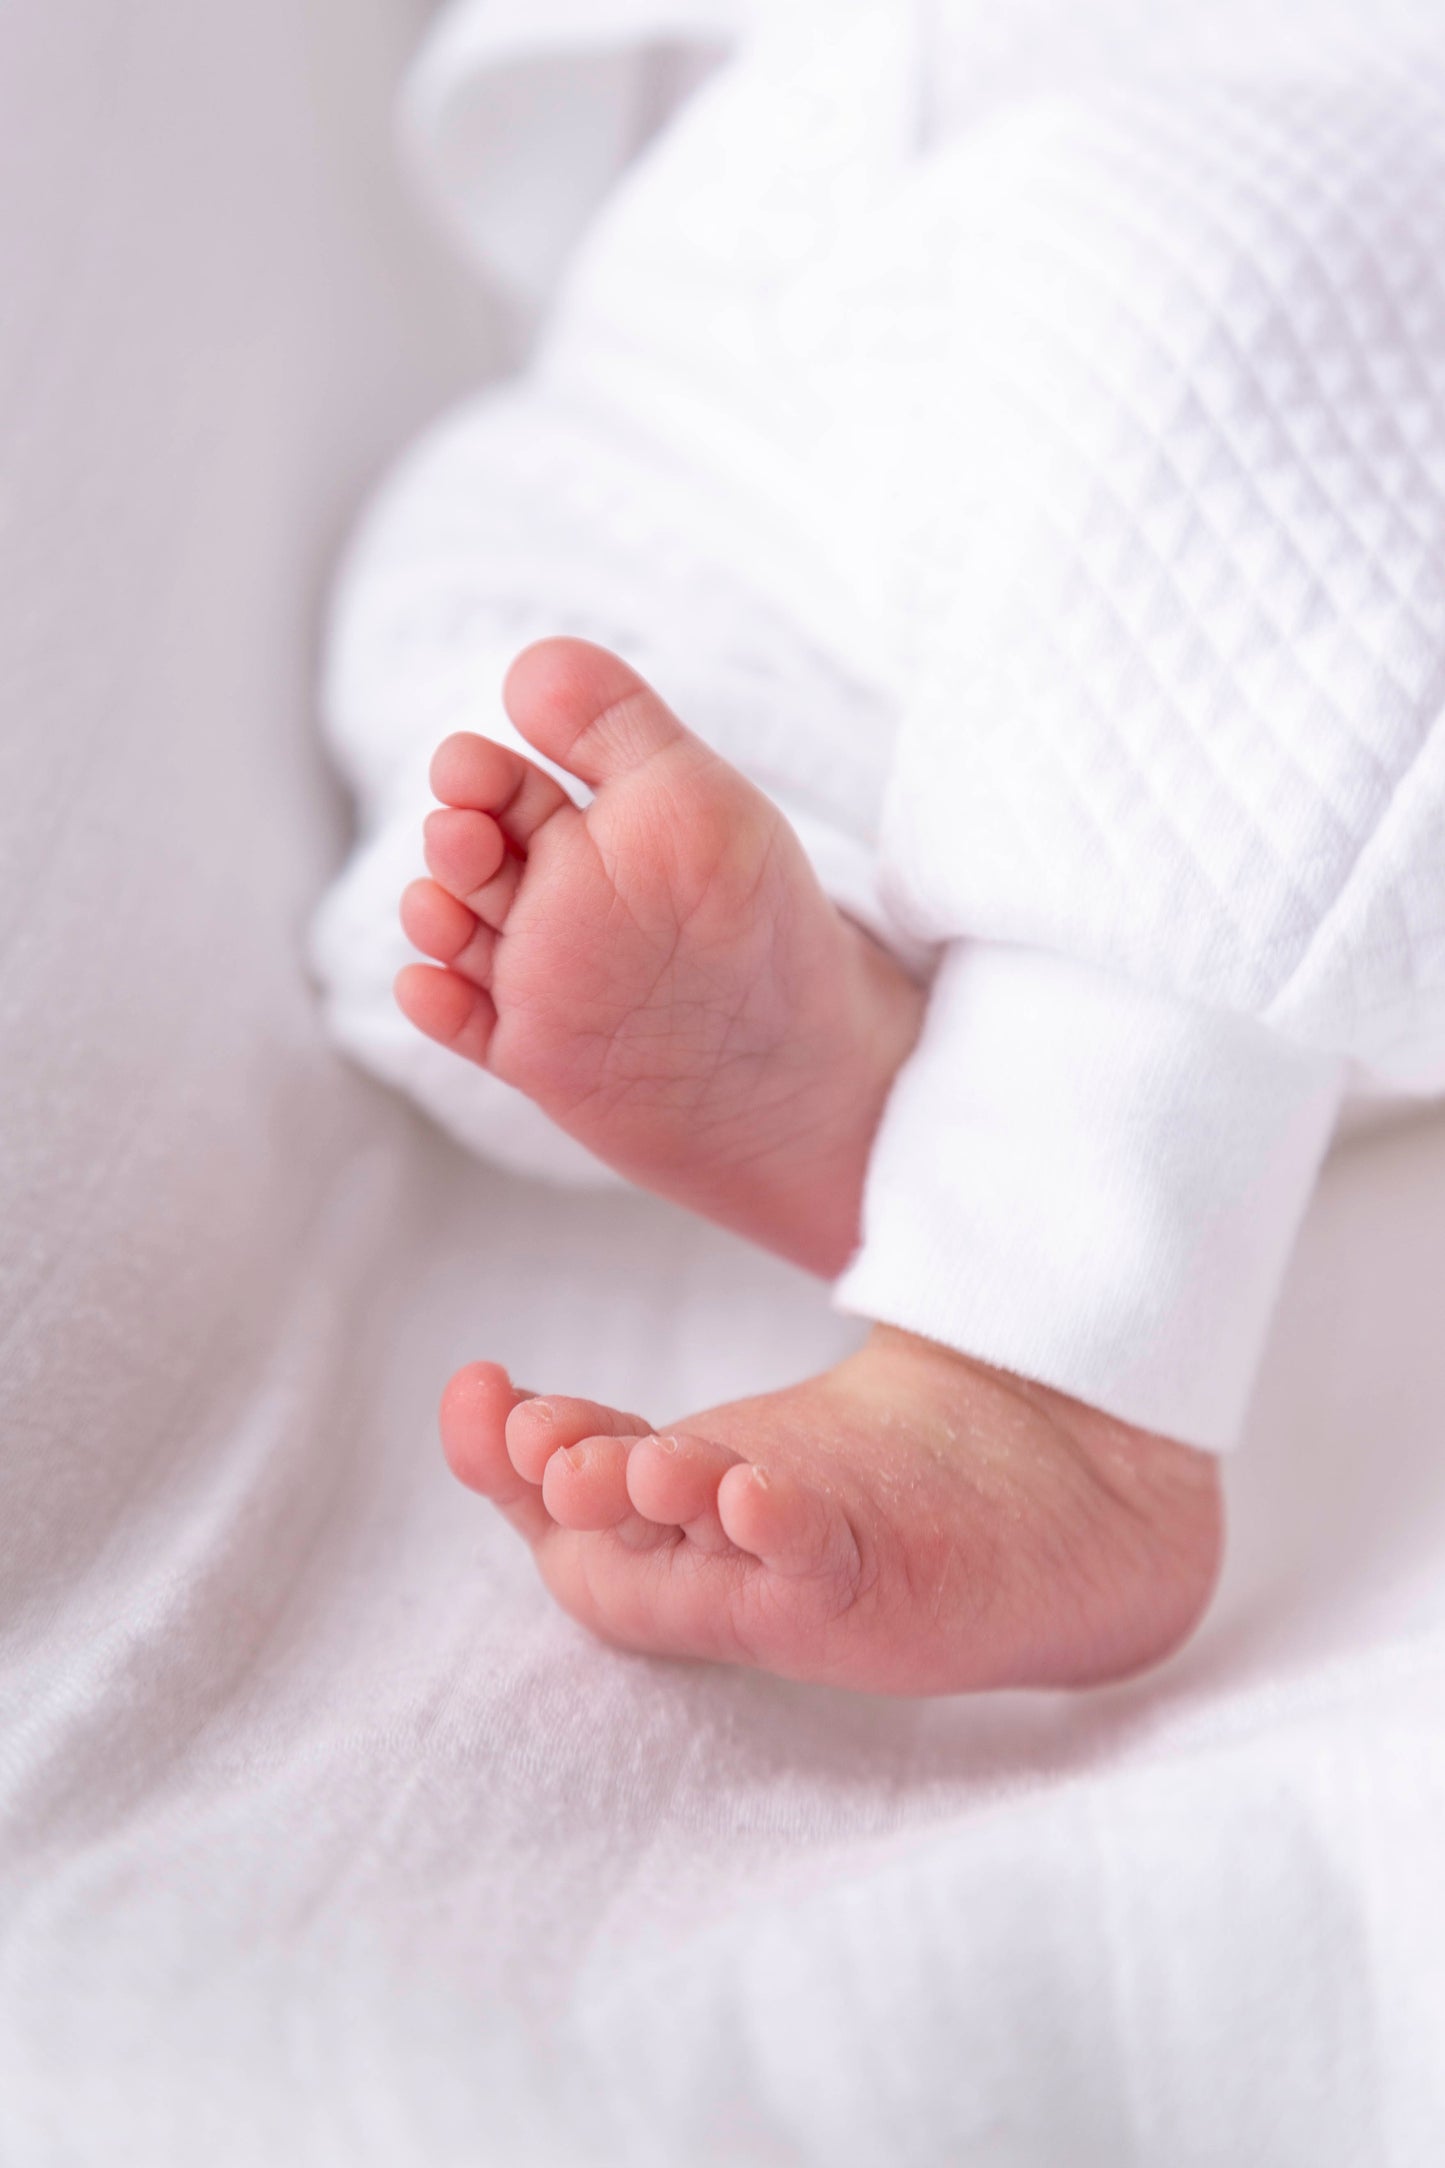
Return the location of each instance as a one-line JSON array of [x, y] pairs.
[[1093, 1186]]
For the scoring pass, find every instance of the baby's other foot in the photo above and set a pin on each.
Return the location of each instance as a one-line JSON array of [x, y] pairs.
[[909, 1522], [661, 971]]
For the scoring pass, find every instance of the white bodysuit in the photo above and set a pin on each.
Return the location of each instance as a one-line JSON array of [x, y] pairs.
[[1013, 431]]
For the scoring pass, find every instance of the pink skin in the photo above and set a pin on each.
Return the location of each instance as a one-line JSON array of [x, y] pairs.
[[663, 975], [661, 972], [908, 1523]]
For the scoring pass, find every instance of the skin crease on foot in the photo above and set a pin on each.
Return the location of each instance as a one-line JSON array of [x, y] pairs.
[[662, 974]]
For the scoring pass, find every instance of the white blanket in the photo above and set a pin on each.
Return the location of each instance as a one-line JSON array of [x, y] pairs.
[[324, 1841]]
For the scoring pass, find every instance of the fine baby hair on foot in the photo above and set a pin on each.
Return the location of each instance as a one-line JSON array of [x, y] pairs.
[[660, 971], [662, 974]]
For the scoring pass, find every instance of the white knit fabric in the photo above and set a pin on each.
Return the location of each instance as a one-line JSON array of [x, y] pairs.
[[1028, 421]]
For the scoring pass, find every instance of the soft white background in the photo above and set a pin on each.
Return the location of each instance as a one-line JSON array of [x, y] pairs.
[[324, 1840]]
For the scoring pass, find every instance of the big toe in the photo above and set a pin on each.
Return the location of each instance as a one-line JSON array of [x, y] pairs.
[[588, 710]]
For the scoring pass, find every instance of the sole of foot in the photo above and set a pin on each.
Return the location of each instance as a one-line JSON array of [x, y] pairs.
[[659, 970]]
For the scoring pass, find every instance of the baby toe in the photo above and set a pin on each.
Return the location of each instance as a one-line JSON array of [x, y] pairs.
[[796, 1531], [674, 1481], [536, 1429], [464, 850], [472, 771], [585, 1489], [444, 929], [493, 900], [472, 1419], [453, 1010], [477, 772]]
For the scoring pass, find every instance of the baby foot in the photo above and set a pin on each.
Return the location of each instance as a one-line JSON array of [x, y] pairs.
[[660, 971], [909, 1522]]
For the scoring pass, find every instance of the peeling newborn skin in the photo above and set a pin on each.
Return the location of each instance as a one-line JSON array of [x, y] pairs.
[[663, 975], [907, 1523]]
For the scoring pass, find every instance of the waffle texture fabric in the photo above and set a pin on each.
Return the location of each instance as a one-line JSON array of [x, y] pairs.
[[1015, 434]]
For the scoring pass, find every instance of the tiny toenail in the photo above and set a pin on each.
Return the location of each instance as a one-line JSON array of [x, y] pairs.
[[576, 1454], [669, 1445], [763, 1480], [544, 1409]]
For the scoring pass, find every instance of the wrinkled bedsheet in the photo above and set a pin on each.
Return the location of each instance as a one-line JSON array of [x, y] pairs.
[[323, 1839]]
